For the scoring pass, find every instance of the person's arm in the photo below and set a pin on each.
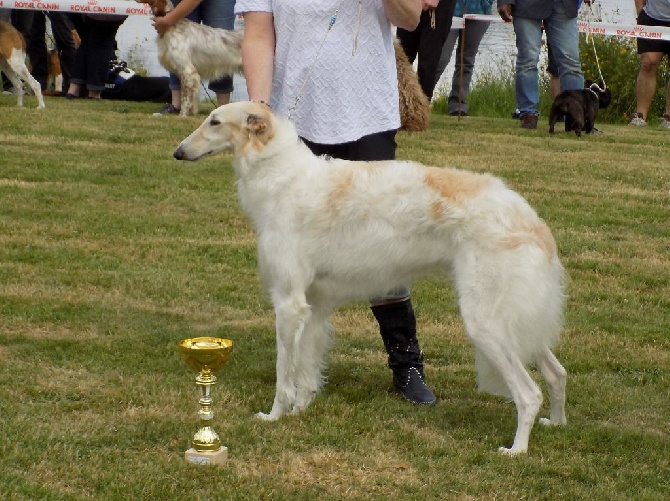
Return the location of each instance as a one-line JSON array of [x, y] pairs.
[[405, 13], [258, 52], [181, 10], [639, 5]]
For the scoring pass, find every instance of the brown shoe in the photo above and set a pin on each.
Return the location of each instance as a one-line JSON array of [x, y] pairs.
[[528, 121]]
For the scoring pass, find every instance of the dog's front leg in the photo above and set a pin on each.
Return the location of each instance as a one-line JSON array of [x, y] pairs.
[[189, 82], [291, 315], [314, 344]]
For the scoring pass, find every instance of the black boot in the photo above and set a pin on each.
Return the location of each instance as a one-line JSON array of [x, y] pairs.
[[397, 325]]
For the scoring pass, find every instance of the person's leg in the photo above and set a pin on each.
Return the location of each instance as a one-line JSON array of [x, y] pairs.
[[447, 51], [554, 81], [79, 61], [528, 42], [645, 85], [62, 31], [651, 55], [460, 84], [431, 41], [102, 35], [397, 325], [22, 20], [563, 36], [37, 50], [219, 14]]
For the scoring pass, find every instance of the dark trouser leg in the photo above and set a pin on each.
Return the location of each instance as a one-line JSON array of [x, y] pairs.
[[397, 325], [426, 42], [62, 31]]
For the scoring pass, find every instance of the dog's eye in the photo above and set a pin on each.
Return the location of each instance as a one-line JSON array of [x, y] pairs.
[[214, 122]]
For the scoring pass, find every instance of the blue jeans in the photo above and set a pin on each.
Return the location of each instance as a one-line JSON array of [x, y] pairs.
[[217, 14], [563, 36]]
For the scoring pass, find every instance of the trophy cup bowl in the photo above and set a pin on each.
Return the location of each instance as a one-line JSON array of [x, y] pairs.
[[206, 355]]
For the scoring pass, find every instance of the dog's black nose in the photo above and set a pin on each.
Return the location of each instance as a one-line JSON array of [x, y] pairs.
[[178, 154]]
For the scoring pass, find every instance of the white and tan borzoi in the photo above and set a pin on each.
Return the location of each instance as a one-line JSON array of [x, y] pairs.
[[196, 51], [13, 63], [330, 231]]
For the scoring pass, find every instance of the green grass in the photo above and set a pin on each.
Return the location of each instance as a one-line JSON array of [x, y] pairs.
[[111, 252]]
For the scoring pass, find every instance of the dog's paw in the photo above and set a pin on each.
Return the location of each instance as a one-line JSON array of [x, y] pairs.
[[511, 451], [266, 417], [549, 422]]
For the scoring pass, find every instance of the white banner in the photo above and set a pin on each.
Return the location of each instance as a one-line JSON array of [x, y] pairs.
[[620, 30], [120, 7], [132, 8]]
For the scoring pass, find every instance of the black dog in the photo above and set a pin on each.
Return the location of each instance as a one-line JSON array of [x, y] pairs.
[[579, 107]]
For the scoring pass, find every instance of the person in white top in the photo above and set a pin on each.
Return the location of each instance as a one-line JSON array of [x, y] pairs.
[[329, 65]]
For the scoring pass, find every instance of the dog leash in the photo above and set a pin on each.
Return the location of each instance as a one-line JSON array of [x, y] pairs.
[[589, 36]]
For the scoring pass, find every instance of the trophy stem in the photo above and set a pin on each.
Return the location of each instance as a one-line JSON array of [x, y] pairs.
[[206, 439]]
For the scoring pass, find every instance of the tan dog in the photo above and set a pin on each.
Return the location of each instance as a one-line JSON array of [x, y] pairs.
[[13, 63], [330, 231]]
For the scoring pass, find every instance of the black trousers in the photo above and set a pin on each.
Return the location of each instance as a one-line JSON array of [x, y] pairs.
[[61, 28], [426, 42], [379, 146], [91, 59]]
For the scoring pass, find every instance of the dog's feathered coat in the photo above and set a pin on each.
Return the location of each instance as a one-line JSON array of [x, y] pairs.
[[414, 105], [330, 231], [195, 51]]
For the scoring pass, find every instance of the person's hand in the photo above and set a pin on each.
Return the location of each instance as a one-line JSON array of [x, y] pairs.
[[505, 11], [161, 24], [429, 4]]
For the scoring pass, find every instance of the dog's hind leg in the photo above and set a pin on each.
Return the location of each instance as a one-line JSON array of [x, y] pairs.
[[19, 68], [555, 376], [525, 392], [14, 78], [490, 315], [292, 314]]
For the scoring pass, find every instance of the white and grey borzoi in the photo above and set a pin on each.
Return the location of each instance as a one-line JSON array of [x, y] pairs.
[[330, 231]]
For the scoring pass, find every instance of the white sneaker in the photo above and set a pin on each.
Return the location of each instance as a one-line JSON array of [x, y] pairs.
[[665, 123], [637, 120]]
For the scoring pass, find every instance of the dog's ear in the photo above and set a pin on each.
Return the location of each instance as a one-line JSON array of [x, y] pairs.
[[588, 84], [256, 124], [259, 128]]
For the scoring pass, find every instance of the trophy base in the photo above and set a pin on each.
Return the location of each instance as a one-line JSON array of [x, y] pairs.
[[207, 457]]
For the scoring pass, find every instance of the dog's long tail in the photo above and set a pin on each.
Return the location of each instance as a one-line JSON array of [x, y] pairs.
[[512, 303]]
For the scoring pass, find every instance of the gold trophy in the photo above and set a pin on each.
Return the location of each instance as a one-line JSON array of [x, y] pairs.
[[206, 355]]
